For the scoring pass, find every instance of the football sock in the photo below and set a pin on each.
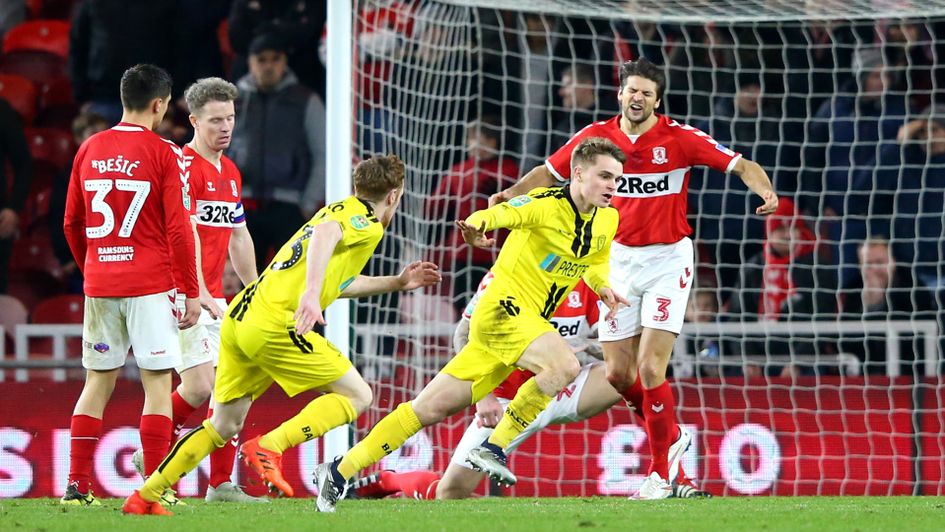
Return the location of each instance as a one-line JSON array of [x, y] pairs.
[[84, 432], [222, 460], [318, 417], [416, 484], [184, 457], [181, 411], [634, 397], [524, 408], [660, 425], [155, 439], [388, 435]]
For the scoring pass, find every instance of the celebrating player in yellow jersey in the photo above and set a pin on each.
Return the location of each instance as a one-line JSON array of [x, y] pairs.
[[267, 334], [559, 236]]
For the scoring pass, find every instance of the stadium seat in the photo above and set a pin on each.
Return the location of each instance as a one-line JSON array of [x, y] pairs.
[[50, 147], [57, 108], [12, 313], [21, 93], [59, 309], [50, 9], [36, 209], [34, 253], [50, 36], [36, 66], [33, 286]]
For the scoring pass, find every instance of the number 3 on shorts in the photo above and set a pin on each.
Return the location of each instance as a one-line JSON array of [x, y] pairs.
[[662, 309]]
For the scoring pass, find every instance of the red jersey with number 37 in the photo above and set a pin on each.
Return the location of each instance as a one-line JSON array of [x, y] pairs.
[[126, 217], [652, 193], [217, 210]]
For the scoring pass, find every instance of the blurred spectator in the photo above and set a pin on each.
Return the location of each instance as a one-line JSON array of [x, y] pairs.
[[84, 126], [907, 188], [697, 70], [843, 140], [908, 51], [279, 146], [464, 190], [108, 36], [298, 22], [703, 307], [535, 44], [788, 280], [12, 12], [15, 155], [200, 55], [724, 215], [578, 93], [882, 290]]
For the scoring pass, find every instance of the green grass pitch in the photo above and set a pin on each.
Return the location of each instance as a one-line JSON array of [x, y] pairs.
[[496, 514]]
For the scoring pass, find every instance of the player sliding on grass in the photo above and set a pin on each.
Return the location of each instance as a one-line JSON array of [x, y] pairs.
[[652, 259], [559, 236], [588, 395], [267, 335]]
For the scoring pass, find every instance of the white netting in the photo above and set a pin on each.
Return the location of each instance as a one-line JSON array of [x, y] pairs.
[[817, 94]]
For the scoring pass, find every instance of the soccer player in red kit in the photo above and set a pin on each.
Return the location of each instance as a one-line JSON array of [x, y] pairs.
[[127, 224], [215, 189], [651, 261]]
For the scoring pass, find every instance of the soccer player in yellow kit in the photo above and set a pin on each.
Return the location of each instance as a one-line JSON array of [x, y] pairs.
[[559, 236], [267, 334]]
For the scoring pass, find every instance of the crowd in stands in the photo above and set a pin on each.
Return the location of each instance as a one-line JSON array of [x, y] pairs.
[[844, 117]]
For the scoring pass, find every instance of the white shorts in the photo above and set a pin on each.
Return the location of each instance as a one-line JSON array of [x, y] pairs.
[[201, 343], [656, 280], [562, 409], [146, 324]]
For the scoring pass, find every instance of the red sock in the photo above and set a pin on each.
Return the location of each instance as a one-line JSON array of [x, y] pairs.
[[431, 491], [155, 440], [388, 483], [634, 397], [660, 425], [416, 484], [221, 460], [84, 431], [182, 411]]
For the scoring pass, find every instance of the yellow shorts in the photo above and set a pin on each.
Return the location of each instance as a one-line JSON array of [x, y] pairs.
[[498, 335], [256, 353]]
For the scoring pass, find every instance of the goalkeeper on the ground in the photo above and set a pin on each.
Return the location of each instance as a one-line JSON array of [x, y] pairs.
[[559, 236]]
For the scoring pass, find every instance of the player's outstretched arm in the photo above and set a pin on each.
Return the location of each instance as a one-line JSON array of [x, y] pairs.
[[757, 180], [538, 176], [417, 274], [324, 239]]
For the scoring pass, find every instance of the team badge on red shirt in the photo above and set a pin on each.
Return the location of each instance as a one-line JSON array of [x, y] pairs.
[[659, 155]]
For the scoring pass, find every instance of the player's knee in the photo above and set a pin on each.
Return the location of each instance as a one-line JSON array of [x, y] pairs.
[[228, 428], [447, 491], [652, 374], [569, 369], [361, 397], [618, 378]]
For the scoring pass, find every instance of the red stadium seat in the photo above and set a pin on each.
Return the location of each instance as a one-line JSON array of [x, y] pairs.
[[59, 309], [33, 286], [57, 107], [50, 9], [35, 210], [50, 147], [36, 66], [50, 36], [21, 93], [34, 254]]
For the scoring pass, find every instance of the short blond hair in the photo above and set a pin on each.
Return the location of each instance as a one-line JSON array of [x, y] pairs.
[[207, 90], [588, 149], [378, 175]]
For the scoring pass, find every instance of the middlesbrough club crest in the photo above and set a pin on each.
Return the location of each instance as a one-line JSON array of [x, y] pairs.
[[659, 155]]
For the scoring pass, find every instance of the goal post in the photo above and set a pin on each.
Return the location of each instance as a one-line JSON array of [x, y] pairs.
[[795, 375]]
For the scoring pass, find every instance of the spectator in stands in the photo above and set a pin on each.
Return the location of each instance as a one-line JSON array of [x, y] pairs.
[[108, 36], [726, 222], [908, 187], [578, 93], [882, 290], [908, 49], [84, 126], [15, 155], [279, 146], [704, 64], [298, 22], [788, 281], [842, 142], [12, 12], [463, 191]]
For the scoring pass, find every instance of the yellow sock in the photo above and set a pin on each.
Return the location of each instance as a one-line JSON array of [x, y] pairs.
[[184, 457], [386, 437], [318, 417], [524, 408]]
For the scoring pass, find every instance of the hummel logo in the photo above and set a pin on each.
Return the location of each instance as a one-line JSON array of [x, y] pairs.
[[682, 280], [657, 407]]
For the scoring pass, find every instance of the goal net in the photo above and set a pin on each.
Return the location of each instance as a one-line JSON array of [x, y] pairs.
[[811, 358]]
